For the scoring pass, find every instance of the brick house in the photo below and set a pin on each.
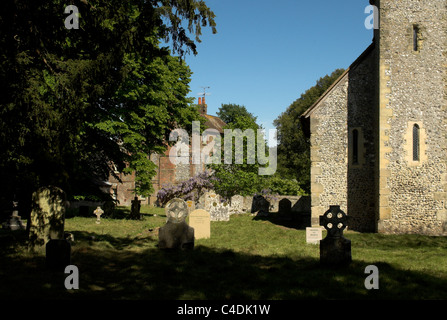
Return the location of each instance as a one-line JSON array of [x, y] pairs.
[[168, 173]]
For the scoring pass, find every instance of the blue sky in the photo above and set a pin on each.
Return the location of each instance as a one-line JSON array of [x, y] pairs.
[[267, 53]]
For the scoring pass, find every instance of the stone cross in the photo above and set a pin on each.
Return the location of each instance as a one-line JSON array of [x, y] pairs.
[[176, 210], [335, 250], [176, 234], [334, 221], [98, 212]]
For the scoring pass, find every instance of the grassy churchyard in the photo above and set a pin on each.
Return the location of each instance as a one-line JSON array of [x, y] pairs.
[[245, 258]]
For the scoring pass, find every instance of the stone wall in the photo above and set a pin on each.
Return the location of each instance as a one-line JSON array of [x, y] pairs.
[[413, 194], [341, 174], [240, 204]]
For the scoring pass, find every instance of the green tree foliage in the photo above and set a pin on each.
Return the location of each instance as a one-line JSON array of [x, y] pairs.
[[233, 113], [293, 146], [74, 101], [234, 178]]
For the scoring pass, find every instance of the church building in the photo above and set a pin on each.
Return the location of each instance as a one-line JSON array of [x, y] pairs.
[[378, 135]]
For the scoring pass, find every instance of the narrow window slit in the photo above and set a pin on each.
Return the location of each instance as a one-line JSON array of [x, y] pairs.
[[416, 143], [415, 38]]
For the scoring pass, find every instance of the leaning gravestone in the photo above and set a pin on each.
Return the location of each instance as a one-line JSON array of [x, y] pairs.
[[335, 249], [47, 216], [176, 233], [200, 220]]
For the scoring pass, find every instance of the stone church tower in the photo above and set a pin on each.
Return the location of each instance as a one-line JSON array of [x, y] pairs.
[[379, 134]]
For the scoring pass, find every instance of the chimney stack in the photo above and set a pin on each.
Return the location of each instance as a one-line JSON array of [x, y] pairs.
[[202, 106]]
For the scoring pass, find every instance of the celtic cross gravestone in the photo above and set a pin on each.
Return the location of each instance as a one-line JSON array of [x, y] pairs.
[[176, 233], [335, 249]]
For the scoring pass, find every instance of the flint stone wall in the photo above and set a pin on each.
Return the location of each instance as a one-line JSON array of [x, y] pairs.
[[413, 193]]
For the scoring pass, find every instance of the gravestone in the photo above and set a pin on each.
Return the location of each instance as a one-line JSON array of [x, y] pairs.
[[135, 209], [47, 216], [176, 233], [191, 206], [335, 250], [314, 235], [98, 212], [285, 206], [14, 222], [210, 198], [219, 211], [260, 205], [200, 220], [237, 204]]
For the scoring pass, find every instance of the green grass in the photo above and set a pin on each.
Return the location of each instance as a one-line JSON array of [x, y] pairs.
[[245, 258]]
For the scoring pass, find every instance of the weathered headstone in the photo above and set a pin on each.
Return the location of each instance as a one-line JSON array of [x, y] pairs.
[[219, 211], [237, 204], [47, 216], [176, 233], [335, 249], [314, 235], [200, 220], [210, 198], [14, 222], [98, 212]]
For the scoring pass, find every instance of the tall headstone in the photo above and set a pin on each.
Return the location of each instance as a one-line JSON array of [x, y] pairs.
[[47, 216], [335, 250], [199, 219], [176, 233]]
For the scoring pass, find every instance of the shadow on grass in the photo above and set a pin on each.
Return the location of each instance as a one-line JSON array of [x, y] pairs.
[[293, 220], [204, 273]]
